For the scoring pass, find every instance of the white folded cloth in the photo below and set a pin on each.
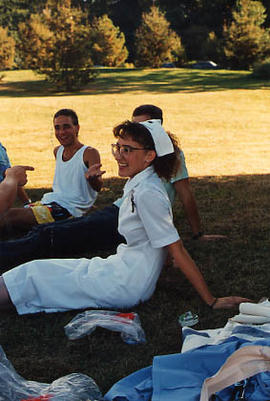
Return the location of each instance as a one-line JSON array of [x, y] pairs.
[[250, 319], [252, 313]]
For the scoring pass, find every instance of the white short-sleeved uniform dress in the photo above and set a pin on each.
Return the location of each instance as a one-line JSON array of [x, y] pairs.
[[121, 280]]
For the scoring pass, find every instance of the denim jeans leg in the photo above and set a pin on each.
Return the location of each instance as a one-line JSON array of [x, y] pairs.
[[97, 231]]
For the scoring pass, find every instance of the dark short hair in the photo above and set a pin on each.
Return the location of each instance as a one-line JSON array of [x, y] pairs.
[[68, 113], [150, 109], [165, 166]]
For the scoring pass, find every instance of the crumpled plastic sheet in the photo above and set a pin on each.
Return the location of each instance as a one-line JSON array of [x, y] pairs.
[[128, 324], [73, 387]]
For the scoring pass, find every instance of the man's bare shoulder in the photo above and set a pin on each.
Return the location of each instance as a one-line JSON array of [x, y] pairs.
[[55, 150], [91, 156], [90, 151]]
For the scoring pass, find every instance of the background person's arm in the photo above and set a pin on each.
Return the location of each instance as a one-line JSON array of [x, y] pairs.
[[15, 176], [93, 174], [186, 196], [22, 195]]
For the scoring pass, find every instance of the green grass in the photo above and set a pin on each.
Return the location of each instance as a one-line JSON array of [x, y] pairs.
[[27, 83], [223, 122], [237, 206]]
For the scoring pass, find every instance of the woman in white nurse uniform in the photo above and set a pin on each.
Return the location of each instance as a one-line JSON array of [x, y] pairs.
[[144, 152]]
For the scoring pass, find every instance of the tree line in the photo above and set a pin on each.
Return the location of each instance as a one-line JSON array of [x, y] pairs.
[[64, 39]]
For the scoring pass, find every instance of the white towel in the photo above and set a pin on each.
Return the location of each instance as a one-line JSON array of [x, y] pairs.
[[252, 313]]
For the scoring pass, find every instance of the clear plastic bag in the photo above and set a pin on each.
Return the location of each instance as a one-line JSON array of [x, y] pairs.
[[128, 324], [73, 387]]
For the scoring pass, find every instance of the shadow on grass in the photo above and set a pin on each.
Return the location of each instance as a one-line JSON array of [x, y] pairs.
[[237, 206], [230, 205], [155, 81]]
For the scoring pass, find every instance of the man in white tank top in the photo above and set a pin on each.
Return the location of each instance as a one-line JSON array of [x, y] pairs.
[[77, 179]]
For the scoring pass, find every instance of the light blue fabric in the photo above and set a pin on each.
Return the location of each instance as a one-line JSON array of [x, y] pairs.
[[181, 174], [196, 338], [118, 202], [137, 386], [4, 161], [180, 376]]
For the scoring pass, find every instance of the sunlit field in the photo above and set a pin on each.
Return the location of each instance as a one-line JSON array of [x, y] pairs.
[[223, 129]]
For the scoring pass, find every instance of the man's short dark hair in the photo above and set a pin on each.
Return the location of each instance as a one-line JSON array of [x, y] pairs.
[[68, 113], [150, 109]]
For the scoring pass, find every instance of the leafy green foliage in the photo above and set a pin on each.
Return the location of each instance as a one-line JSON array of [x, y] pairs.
[[246, 40], [195, 36], [12, 12], [213, 48], [156, 43], [262, 71], [108, 43], [7, 49], [57, 43], [195, 21]]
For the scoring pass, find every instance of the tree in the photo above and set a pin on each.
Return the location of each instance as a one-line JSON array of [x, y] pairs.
[[195, 35], [155, 42], [7, 49], [213, 48], [246, 40], [57, 43], [109, 43]]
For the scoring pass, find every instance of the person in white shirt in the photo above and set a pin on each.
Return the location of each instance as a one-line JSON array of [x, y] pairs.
[[77, 179], [98, 230], [144, 153]]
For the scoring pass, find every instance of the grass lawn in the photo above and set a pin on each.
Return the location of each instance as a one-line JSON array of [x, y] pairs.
[[222, 120]]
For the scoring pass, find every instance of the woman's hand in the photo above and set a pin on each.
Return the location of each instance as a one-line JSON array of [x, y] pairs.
[[229, 302]]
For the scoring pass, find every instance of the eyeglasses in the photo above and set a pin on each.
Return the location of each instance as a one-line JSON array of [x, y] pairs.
[[123, 149]]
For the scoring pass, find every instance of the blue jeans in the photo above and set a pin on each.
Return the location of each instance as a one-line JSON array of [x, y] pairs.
[[97, 231]]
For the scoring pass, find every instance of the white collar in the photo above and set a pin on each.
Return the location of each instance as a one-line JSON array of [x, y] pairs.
[[137, 179]]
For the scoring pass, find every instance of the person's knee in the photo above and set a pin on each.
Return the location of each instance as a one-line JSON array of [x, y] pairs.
[[22, 217]]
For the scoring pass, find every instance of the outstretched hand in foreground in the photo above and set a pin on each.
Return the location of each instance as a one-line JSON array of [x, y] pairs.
[[229, 302]]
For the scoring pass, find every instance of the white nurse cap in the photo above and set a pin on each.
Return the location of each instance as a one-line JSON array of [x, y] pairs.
[[162, 141]]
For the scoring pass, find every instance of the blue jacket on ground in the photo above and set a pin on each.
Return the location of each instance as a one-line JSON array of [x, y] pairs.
[[180, 376]]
